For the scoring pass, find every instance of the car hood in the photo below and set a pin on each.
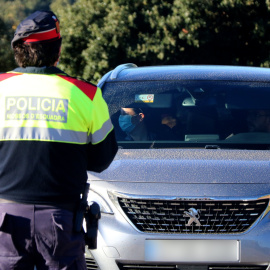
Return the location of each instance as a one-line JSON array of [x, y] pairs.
[[188, 166]]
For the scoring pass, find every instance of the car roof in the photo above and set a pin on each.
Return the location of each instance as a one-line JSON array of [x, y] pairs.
[[130, 72]]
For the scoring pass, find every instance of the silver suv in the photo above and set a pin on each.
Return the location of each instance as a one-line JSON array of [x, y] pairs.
[[190, 185]]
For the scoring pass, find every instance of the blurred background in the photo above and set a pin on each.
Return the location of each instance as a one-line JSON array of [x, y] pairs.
[[98, 35]]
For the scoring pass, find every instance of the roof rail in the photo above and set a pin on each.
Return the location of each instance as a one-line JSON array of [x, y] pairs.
[[119, 68], [103, 79]]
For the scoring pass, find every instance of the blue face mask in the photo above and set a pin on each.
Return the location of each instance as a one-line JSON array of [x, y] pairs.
[[125, 123]]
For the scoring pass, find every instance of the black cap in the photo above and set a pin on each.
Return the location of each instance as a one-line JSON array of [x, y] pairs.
[[40, 26]]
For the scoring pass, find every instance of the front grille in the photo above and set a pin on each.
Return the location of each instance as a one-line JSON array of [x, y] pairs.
[[146, 267], [189, 267], [175, 216], [91, 264]]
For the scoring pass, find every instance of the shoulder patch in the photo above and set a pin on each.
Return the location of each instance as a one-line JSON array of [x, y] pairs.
[[87, 88], [5, 76]]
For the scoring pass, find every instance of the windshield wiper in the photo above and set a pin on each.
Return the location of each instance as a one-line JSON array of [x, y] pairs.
[[212, 146], [152, 145]]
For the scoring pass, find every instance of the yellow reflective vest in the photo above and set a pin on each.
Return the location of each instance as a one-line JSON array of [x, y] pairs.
[[53, 128], [55, 108]]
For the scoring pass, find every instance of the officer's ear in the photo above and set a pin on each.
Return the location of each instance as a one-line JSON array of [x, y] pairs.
[[58, 60]]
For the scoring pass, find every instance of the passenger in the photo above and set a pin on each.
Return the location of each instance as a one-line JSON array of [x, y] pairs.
[[258, 121], [171, 129], [133, 122], [169, 120]]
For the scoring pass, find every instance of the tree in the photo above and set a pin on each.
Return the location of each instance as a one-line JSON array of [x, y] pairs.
[[99, 35], [6, 55], [233, 32], [12, 13]]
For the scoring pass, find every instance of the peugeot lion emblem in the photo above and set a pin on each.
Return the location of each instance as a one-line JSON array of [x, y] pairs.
[[193, 215]]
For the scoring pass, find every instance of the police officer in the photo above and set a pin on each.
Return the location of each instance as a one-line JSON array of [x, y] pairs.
[[53, 128]]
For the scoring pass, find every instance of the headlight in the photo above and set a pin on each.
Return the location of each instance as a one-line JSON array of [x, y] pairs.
[[95, 197]]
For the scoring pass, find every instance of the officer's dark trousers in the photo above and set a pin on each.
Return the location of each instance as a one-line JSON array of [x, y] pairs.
[[41, 236]]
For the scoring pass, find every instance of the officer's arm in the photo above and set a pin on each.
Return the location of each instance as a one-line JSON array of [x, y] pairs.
[[102, 154], [102, 147]]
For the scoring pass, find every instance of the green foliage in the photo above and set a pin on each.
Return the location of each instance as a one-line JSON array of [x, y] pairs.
[[228, 32], [99, 35], [6, 55], [12, 13]]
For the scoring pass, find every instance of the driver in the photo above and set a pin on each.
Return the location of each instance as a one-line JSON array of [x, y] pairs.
[[132, 122]]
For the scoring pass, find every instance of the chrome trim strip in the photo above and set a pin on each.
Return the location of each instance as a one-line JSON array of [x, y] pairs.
[[186, 198]]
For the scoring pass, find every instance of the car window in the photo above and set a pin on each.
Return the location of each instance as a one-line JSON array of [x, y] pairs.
[[189, 113]]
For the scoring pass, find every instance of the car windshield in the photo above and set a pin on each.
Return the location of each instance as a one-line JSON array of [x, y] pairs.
[[208, 114]]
